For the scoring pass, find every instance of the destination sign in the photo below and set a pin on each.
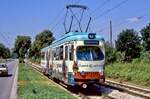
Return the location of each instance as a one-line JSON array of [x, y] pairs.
[[91, 42]]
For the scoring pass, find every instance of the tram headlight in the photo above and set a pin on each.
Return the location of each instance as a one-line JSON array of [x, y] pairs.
[[82, 73], [101, 44], [75, 67], [101, 70], [73, 73]]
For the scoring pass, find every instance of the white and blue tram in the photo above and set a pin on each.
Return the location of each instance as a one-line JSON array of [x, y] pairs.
[[77, 58]]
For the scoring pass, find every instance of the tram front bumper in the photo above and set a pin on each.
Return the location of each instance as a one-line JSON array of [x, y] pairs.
[[88, 77]]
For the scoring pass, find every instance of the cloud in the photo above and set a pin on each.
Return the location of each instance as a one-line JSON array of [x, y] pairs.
[[134, 19]]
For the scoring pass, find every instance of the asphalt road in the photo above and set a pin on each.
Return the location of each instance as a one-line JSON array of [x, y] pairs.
[[6, 82]]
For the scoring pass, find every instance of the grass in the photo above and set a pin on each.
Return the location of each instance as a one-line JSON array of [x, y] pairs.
[[2, 60], [136, 72], [32, 85]]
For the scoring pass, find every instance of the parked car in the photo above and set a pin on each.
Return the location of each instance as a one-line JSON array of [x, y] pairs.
[[3, 69]]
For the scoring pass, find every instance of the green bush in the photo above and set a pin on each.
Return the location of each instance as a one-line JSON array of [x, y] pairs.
[[137, 72], [120, 56], [110, 53], [128, 41], [21, 60], [145, 56]]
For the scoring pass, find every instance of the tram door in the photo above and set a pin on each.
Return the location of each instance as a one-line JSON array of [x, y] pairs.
[[50, 62], [68, 60], [47, 62]]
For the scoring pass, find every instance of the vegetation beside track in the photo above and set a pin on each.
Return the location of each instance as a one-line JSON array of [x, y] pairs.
[[137, 72], [2, 60], [32, 85]]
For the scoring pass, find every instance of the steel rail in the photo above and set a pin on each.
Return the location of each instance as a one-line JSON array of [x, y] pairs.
[[128, 88]]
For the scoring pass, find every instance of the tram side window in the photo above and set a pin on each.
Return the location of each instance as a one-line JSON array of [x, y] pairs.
[[66, 52], [42, 55], [71, 54], [57, 53], [47, 56], [54, 54], [61, 53]]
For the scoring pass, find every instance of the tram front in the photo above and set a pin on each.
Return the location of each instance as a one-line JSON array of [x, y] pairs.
[[88, 66]]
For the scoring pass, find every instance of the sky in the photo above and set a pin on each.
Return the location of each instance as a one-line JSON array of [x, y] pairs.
[[30, 17]]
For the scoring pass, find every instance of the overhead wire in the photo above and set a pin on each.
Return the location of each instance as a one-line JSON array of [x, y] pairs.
[[58, 17], [99, 7], [57, 23], [111, 9], [5, 39], [107, 11], [125, 21], [97, 17], [77, 2]]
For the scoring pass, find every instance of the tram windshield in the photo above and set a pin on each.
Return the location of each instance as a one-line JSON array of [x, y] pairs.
[[89, 53]]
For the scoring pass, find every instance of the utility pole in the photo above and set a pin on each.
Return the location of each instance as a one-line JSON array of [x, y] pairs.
[[111, 34]]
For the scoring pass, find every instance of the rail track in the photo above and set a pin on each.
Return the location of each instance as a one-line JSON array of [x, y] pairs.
[[132, 90], [144, 93]]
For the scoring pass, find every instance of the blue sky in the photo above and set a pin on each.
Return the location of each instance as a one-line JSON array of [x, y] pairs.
[[29, 17]]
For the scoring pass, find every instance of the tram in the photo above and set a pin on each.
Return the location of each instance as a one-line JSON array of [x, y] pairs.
[[77, 58]]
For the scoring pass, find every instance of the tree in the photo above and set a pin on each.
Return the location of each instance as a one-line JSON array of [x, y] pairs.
[[4, 52], [7, 53], [145, 33], [43, 39], [22, 44], [128, 42], [2, 48], [110, 53]]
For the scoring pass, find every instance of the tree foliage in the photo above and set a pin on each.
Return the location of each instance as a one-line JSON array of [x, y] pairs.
[[42, 40], [145, 56], [110, 53], [145, 32], [128, 42], [4, 52], [22, 44]]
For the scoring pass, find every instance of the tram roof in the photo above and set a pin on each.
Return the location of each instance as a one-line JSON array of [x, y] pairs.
[[73, 36], [44, 49]]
